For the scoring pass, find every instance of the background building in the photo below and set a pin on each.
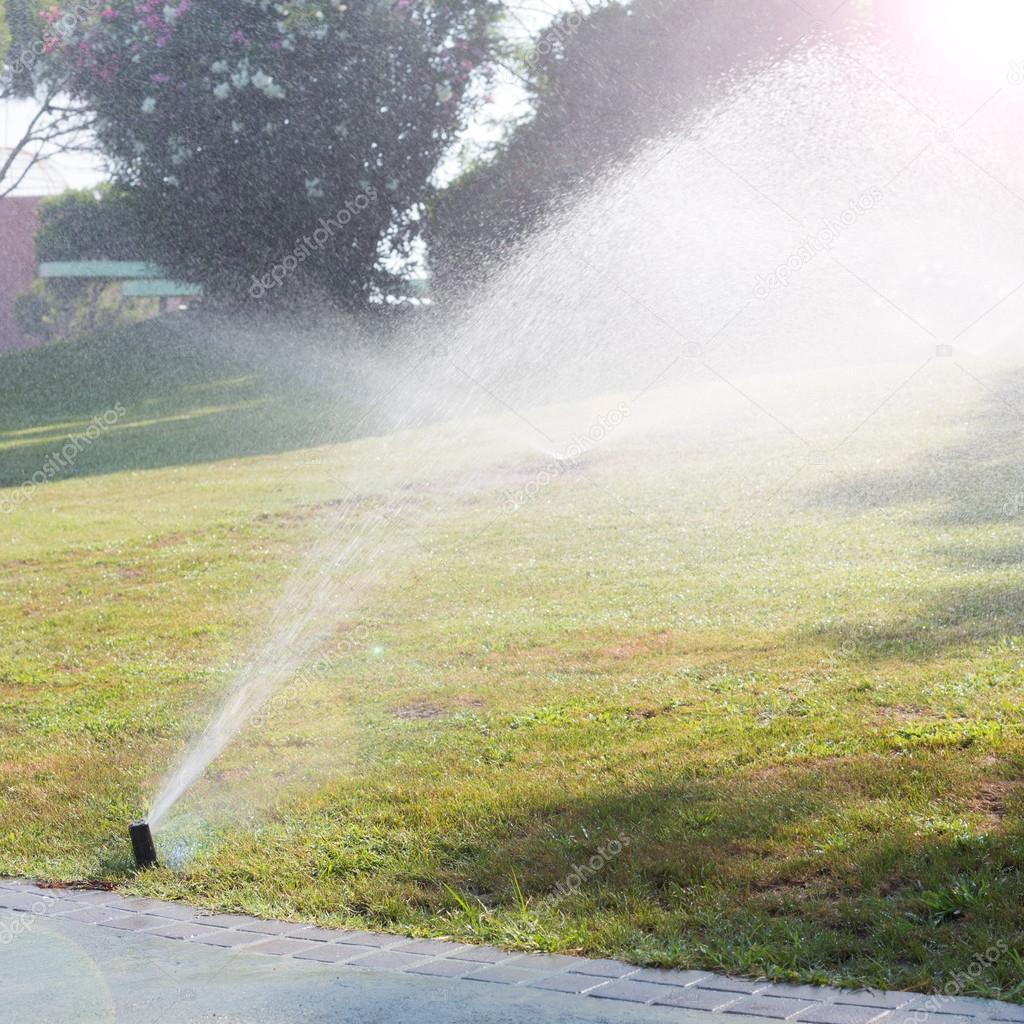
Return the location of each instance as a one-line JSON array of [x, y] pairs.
[[18, 213]]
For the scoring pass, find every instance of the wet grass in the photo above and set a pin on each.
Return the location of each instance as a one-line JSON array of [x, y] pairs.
[[698, 704]]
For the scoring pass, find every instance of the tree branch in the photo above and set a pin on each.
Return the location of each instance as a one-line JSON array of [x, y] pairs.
[[52, 129]]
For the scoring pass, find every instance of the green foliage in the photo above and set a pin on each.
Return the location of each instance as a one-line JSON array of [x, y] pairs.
[[33, 313], [53, 310], [255, 138], [601, 86], [84, 224], [5, 33], [22, 42], [957, 899], [57, 310]]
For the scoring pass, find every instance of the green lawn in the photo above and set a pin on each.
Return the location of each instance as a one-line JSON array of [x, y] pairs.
[[788, 686]]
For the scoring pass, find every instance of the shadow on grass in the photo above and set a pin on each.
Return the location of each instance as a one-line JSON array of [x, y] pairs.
[[857, 869], [975, 482], [175, 391], [973, 492], [815, 872], [964, 618]]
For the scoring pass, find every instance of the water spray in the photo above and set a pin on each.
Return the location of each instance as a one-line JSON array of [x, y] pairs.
[[142, 844]]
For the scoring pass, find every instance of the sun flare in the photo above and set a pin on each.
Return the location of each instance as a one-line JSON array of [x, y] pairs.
[[985, 34]]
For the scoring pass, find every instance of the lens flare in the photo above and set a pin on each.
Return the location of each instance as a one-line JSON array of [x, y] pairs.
[[982, 35]]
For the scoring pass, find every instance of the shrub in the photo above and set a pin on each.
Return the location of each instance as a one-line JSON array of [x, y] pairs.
[[88, 224]]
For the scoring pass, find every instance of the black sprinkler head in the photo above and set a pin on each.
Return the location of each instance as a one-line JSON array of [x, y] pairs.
[[142, 844]]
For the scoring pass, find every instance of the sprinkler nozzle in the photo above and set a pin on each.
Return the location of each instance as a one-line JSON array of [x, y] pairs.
[[142, 844]]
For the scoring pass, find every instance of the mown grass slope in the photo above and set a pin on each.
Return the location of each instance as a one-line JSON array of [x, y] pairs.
[[785, 678]]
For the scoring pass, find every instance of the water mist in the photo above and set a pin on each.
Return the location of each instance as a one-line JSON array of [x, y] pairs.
[[816, 216]]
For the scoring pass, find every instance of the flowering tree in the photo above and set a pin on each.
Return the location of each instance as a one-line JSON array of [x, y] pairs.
[[278, 148]]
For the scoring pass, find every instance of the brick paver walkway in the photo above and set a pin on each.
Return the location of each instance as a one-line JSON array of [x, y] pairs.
[[571, 977]]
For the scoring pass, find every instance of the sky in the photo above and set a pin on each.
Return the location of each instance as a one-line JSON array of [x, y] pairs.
[[48, 177]]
